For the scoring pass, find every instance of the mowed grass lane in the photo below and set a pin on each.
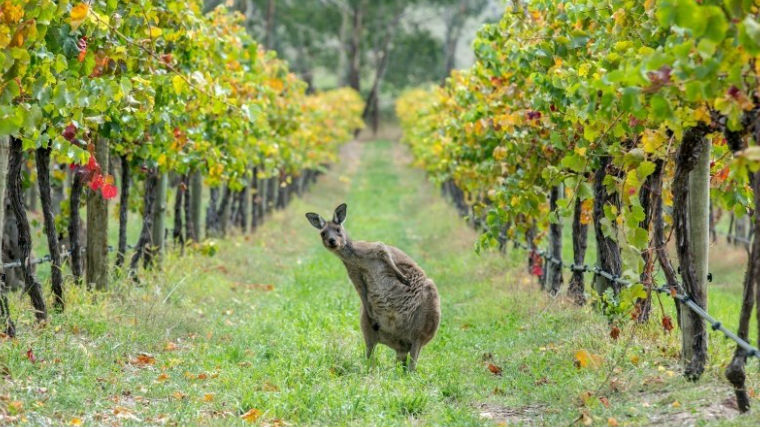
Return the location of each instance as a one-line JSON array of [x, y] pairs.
[[267, 332]]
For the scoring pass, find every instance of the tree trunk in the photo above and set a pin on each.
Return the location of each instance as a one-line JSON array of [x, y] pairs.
[[554, 269], [741, 231], [31, 192], [144, 245], [75, 242], [644, 306], [607, 250], [576, 287], [57, 189], [256, 186], [245, 202], [189, 227], [658, 237], [224, 210], [16, 197], [196, 195], [123, 211], [735, 371], [177, 231], [5, 312], [372, 102], [97, 228], [274, 194], [269, 25], [212, 222], [691, 195], [454, 23], [42, 159], [159, 216], [354, 46]]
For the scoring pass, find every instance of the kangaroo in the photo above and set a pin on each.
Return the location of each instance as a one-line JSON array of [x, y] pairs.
[[400, 305]]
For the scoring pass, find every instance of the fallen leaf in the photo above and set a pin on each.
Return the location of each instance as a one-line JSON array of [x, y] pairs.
[[208, 397], [143, 359], [604, 401], [162, 377], [15, 407], [170, 346], [179, 395], [75, 422], [202, 376], [583, 359], [270, 387], [676, 404], [615, 333], [251, 415], [30, 356], [494, 369], [585, 396], [667, 323], [612, 422], [586, 418], [635, 359], [124, 413]]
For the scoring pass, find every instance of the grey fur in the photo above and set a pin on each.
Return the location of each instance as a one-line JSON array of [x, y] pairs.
[[400, 304]]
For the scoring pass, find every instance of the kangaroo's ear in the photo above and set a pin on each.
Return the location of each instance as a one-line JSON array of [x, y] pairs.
[[316, 220], [340, 214]]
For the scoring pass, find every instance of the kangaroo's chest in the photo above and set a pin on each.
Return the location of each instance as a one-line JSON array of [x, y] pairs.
[[385, 296]]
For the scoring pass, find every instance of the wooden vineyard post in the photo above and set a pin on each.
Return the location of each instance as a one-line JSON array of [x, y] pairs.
[[691, 199]]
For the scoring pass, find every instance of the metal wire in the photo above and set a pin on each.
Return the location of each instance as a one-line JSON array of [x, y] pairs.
[[682, 297]]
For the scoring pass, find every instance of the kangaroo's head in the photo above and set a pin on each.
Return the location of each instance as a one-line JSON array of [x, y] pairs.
[[334, 237]]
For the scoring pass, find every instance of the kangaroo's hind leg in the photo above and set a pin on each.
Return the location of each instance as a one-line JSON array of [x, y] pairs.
[[402, 357], [413, 354], [370, 332]]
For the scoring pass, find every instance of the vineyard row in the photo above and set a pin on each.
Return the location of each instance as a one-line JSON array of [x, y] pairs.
[[156, 93], [639, 119]]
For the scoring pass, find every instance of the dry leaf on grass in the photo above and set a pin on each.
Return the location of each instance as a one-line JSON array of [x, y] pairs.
[[584, 359], [493, 368], [143, 359], [251, 415]]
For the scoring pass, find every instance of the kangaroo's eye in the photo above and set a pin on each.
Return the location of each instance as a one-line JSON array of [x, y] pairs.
[[323, 234]]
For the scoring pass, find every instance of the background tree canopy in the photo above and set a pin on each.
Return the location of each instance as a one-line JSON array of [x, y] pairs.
[[376, 47]]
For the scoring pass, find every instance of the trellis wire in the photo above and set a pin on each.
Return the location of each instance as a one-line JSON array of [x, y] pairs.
[[49, 258], [681, 297]]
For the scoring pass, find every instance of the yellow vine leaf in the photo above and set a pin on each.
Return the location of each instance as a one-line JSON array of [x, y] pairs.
[[78, 14], [652, 140], [155, 32], [702, 115], [11, 13]]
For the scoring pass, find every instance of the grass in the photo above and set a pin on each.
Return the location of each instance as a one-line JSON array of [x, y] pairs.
[[271, 323]]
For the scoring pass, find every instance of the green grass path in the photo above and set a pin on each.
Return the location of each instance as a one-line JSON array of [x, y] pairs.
[[271, 323]]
